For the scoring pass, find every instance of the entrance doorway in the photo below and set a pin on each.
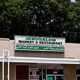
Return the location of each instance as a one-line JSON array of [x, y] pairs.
[[22, 72], [55, 77]]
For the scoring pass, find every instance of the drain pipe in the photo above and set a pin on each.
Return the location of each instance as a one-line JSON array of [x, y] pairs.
[[3, 65], [4, 51]]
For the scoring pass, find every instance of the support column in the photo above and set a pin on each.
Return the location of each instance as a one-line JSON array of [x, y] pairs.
[[70, 72]]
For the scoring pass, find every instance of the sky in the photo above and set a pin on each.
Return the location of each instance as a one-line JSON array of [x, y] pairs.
[[72, 0]]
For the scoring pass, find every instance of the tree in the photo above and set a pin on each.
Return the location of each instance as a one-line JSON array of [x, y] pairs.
[[55, 18]]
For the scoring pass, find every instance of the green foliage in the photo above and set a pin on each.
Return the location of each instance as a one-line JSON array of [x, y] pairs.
[[55, 18]]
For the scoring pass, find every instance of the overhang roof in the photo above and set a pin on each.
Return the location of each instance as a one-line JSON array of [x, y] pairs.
[[41, 60]]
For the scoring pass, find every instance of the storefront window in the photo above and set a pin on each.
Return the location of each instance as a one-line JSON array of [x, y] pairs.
[[52, 71], [34, 75], [78, 71], [55, 77], [42, 74], [55, 73], [37, 73], [59, 77], [46, 73], [78, 74]]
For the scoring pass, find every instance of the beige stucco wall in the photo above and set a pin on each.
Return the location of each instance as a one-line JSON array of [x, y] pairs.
[[70, 72], [72, 50], [4, 45]]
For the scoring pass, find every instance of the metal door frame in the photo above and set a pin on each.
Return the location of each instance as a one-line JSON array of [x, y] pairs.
[[76, 76]]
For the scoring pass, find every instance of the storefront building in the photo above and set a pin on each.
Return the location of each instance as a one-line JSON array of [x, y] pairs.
[[39, 58]]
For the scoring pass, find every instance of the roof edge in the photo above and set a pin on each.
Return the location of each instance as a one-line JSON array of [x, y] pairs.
[[4, 39]]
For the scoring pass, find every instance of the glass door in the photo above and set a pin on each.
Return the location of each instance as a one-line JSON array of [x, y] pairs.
[[59, 77]]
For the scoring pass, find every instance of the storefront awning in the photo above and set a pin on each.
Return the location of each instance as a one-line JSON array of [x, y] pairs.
[[41, 60]]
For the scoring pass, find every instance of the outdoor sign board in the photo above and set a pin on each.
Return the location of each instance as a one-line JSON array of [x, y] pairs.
[[32, 43]]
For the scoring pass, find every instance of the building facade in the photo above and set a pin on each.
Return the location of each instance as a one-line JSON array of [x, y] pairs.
[[33, 64]]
